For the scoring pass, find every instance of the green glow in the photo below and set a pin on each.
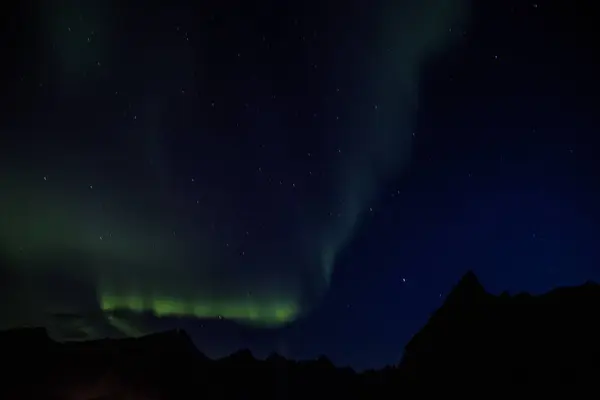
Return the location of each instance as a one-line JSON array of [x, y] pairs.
[[262, 313], [123, 234]]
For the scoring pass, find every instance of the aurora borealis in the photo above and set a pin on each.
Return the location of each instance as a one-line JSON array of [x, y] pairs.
[[145, 243], [285, 173]]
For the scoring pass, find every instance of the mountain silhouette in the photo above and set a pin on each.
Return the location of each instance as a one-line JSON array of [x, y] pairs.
[[521, 339], [474, 341]]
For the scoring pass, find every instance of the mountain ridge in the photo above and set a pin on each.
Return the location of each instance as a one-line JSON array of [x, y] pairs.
[[493, 339]]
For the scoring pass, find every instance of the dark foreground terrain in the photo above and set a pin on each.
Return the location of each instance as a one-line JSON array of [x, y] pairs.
[[476, 344]]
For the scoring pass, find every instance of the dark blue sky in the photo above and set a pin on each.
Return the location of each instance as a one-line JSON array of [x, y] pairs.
[[255, 167]]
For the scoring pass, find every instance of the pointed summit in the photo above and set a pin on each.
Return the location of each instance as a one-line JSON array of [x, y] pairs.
[[469, 278], [467, 290], [469, 283]]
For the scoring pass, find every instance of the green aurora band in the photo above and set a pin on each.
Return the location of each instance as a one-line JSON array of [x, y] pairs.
[[267, 313]]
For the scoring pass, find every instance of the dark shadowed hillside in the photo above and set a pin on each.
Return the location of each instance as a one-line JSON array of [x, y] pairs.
[[474, 340], [521, 339]]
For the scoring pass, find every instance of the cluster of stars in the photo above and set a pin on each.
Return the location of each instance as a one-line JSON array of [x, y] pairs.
[[269, 173]]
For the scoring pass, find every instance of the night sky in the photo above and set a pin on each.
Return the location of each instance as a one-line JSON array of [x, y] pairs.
[[306, 177]]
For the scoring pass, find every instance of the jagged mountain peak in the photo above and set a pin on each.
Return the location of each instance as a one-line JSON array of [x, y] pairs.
[[467, 287], [469, 280]]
